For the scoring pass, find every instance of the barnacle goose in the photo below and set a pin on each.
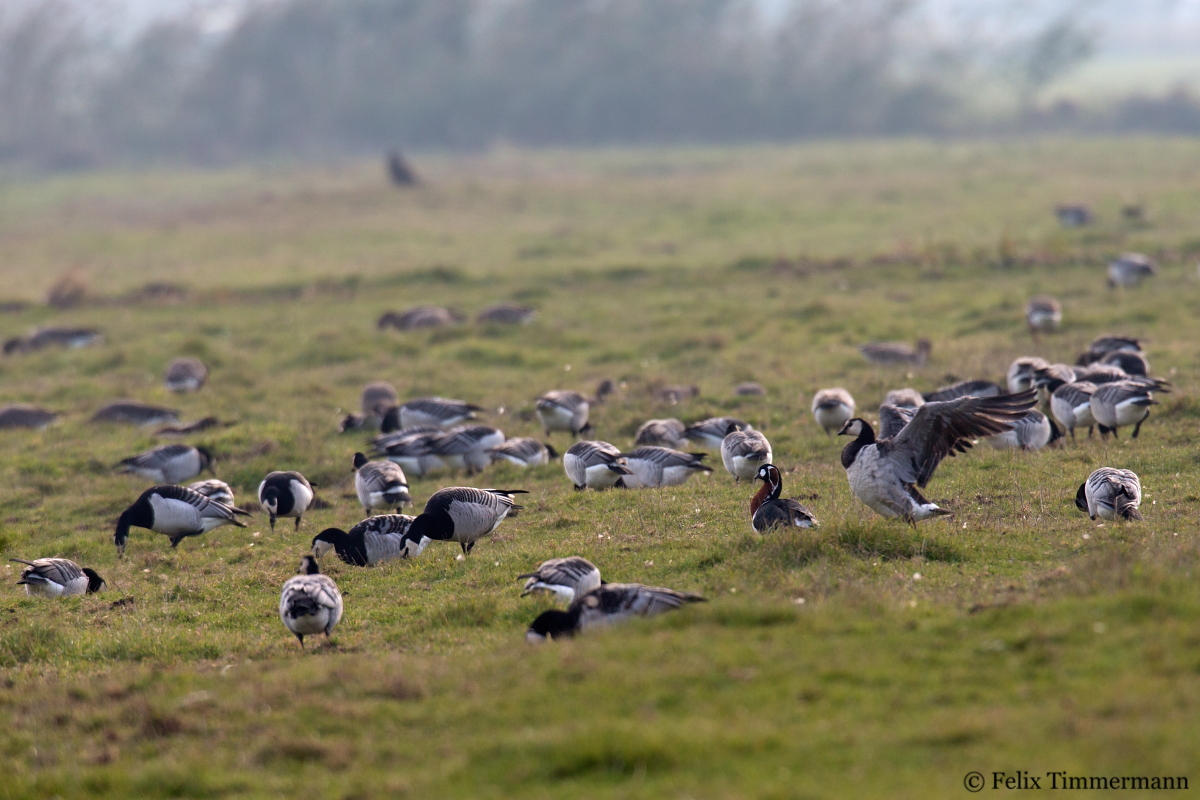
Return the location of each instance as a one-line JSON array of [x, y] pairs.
[[1121, 403], [897, 353], [419, 317], [58, 577], [285, 494], [661, 433], [1130, 270], [1110, 493], [186, 375], [466, 447], [563, 577], [676, 394], [1133, 363], [595, 464], [435, 411], [905, 398], [193, 427], [562, 410], [1043, 315], [1074, 216], [712, 431], [46, 337], [214, 489], [1101, 346], [886, 474], [750, 389], [743, 452], [169, 463], [462, 514], [977, 388], [1031, 432], [412, 449], [1071, 405], [1020, 375], [768, 510], [604, 605], [508, 314], [370, 542], [523, 452], [175, 512], [832, 407], [376, 399], [310, 602], [131, 412], [653, 467], [23, 416], [379, 484]]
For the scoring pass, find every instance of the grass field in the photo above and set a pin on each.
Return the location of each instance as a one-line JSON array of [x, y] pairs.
[[861, 659]]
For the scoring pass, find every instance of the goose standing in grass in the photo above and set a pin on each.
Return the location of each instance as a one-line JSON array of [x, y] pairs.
[[886, 474], [58, 577], [169, 463], [604, 605], [1110, 493], [131, 412], [975, 388], [379, 484], [1101, 346], [831, 408], [370, 542], [428, 411], [466, 447], [566, 578], [1031, 432], [412, 449], [23, 416], [655, 467], [285, 494], [561, 410], [1022, 371], [743, 452], [661, 433], [1043, 315], [1130, 270], [597, 465], [310, 602], [1115, 405], [1071, 405], [523, 452], [768, 510], [186, 375], [897, 352], [461, 514], [712, 431], [905, 398], [175, 512], [214, 489]]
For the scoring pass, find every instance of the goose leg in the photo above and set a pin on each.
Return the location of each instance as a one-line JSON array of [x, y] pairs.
[[297, 523]]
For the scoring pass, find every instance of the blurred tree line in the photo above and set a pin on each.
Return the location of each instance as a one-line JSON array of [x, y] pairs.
[[312, 77]]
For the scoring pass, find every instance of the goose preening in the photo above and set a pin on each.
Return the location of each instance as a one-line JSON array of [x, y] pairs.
[[1110, 493], [887, 473], [419, 317], [831, 408], [466, 447], [654, 467], [436, 411], [1071, 405], [905, 398], [462, 514], [661, 433], [310, 602], [743, 452], [1115, 405], [214, 489], [186, 375], [169, 463], [750, 389], [768, 510], [1031, 432], [523, 452], [1130, 270], [598, 465], [566, 578], [562, 410], [379, 484], [507, 314], [58, 577], [604, 605], [1022, 371], [1074, 216], [976, 388], [370, 542], [285, 494], [1101, 346], [412, 449], [24, 416], [175, 512], [376, 399], [54, 336], [193, 427], [1043, 315], [712, 431], [897, 352], [131, 412]]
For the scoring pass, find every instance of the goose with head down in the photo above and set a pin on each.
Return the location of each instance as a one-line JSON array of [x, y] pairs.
[[412, 449], [604, 605], [897, 352], [598, 465], [310, 602], [285, 494], [524, 452], [58, 577], [466, 447], [433, 411], [1110, 493], [654, 467], [743, 452], [1115, 405], [379, 484], [1031, 432], [562, 410], [566, 578], [214, 489], [370, 542], [712, 431], [667, 432], [461, 514], [175, 512], [831, 408], [169, 463], [1101, 346], [1071, 405]]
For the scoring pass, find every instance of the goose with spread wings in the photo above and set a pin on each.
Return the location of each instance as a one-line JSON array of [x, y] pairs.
[[887, 473]]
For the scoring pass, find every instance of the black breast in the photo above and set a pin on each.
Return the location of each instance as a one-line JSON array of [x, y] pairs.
[[850, 452]]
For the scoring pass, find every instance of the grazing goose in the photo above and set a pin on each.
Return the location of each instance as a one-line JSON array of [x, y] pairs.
[[1021, 373], [654, 467], [376, 399], [57, 577], [712, 431], [23, 416], [1103, 345], [1101, 373], [905, 398], [768, 510], [661, 433], [419, 317], [310, 602], [1075, 216], [1031, 432], [975, 388], [1122, 403], [169, 463], [193, 427], [175, 512], [897, 352], [598, 465], [523, 452], [886, 474], [743, 452], [424, 411], [750, 389], [370, 542], [831, 408], [1130, 270], [564, 411], [604, 605], [1110, 493], [1047, 379], [131, 412], [412, 449], [508, 314], [1133, 363], [379, 484], [461, 514], [466, 447], [54, 336], [214, 489], [1043, 315], [1071, 405], [285, 494], [563, 577], [676, 394], [186, 375]]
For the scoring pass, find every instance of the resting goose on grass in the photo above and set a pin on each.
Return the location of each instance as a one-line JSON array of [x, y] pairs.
[[1110, 493], [561, 410], [285, 494], [169, 463], [370, 542], [175, 512], [886, 474], [461, 514], [768, 510], [565, 578], [523, 452], [604, 605], [743, 452], [712, 431], [131, 412], [831, 408], [654, 467], [1071, 405], [1121, 403], [1031, 432], [661, 433], [897, 352], [466, 447], [379, 484], [186, 375], [58, 577], [214, 489], [508, 314], [310, 602], [24, 416], [436, 411], [598, 465]]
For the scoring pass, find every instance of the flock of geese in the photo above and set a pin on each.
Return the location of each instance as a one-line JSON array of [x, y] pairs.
[[1109, 387]]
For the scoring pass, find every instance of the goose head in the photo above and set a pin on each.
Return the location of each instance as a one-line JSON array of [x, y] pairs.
[[206, 460], [325, 541], [1081, 499], [359, 462], [853, 427], [308, 566], [270, 501], [551, 624], [95, 582]]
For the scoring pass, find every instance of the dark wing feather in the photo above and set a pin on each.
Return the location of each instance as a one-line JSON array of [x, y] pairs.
[[892, 419]]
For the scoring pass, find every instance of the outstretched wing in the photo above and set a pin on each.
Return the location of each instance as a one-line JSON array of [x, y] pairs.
[[892, 419]]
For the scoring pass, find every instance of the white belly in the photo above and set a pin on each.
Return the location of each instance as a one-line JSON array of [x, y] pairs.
[[600, 476], [832, 419], [556, 418]]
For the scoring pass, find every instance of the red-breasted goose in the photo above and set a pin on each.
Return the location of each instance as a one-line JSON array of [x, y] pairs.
[[769, 510]]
